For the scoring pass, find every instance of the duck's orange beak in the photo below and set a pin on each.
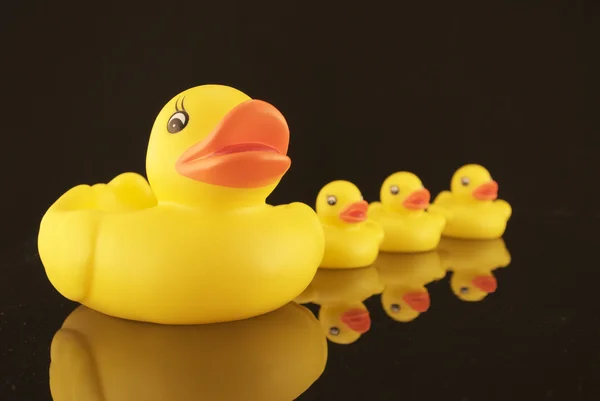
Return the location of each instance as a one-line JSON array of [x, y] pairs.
[[357, 320], [418, 301], [486, 284], [418, 200], [487, 191], [248, 149], [355, 212]]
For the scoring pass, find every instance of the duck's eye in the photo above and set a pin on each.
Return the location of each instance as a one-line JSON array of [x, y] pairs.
[[331, 200], [334, 331], [465, 181], [395, 308], [464, 290], [394, 190], [178, 122]]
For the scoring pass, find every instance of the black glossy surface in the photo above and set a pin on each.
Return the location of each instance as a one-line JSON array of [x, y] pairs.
[[536, 337], [367, 90]]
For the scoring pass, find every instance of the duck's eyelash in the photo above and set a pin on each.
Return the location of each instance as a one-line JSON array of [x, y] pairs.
[[182, 106], [177, 105]]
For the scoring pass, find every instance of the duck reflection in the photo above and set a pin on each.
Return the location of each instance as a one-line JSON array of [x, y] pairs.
[[472, 263], [405, 276], [276, 356], [340, 295]]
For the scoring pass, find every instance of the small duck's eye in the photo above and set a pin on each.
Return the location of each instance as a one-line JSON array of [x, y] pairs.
[[464, 290], [465, 181], [394, 190], [331, 200], [395, 308], [334, 331], [178, 122]]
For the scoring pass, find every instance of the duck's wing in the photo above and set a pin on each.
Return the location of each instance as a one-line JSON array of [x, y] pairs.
[[504, 208], [128, 191], [375, 210], [131, 191], [442, 205], [443, 199]]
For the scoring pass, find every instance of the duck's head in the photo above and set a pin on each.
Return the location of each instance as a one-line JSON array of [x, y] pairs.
[[340, 202], [344, 323], [212, 144], [404, 192], [472, 287], [473, 183], [405, 304]]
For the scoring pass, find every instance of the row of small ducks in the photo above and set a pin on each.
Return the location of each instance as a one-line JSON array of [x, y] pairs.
[[404, 220]]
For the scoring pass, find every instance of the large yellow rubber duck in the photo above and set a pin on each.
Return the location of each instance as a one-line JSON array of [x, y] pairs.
[[472, 264], [351, 239], [341, 295], [402, 213], [471, 207], [199, 244], [405, 276], [277, 356]]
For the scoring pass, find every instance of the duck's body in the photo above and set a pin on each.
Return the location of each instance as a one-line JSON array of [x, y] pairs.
[[408, 227], [185, 251], [351, 239], [417, 231], [129, 255], [471, 208], [351, 247]]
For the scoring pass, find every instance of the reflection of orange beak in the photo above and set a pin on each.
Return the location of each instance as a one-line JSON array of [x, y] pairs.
[[487, 284], [357, 320], [418, 301], [487, 191], [417, 200], [355, 212], [246, 150]]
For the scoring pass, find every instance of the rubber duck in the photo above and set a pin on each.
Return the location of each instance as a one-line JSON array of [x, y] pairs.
[[471, 207], [197, 243], [402, 212], [351, 239], [341, 295], [405, 277], [276, 356], [472, 263]]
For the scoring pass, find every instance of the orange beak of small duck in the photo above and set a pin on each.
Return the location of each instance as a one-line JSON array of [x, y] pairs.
[[487, 284], [355, 212], [248, 149], [487, 191], [357, 320], [418, 200], [418, 301]]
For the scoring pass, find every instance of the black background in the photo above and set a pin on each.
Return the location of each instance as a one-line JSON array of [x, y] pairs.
[[368, 89]]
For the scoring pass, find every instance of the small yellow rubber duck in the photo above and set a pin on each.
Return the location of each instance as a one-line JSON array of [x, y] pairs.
[[471, 207], [198, 244], [405, 276], [408, 227], [351, 239], [341, 295], [472, 263], [97, 357]]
